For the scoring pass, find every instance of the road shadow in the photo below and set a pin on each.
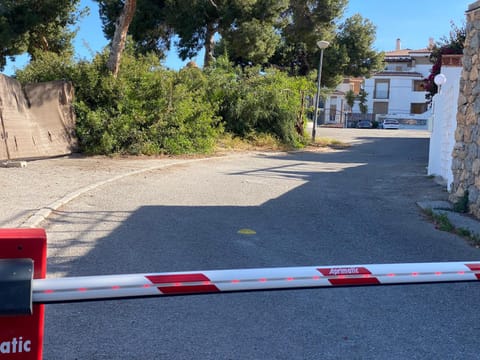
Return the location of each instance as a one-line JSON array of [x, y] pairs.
[[347, 207], [357, 205]]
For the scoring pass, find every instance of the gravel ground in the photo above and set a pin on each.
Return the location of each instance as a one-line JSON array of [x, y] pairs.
[[32, 192]]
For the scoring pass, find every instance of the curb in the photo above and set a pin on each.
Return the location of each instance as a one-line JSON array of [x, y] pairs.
[[13, 164], [458, 220]]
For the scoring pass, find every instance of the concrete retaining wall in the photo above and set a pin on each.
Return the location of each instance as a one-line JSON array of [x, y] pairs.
[[36, 121]]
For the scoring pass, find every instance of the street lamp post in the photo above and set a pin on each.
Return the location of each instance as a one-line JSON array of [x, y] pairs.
[[322, 44]]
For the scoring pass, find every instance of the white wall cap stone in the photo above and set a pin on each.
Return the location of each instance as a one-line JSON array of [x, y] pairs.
[[474, 6]]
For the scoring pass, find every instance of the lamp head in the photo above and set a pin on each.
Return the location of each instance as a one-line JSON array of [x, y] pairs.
[[322, 44], [440, 79]]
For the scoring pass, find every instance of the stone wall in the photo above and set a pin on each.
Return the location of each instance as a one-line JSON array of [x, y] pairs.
[[36, 120], [466, 152]]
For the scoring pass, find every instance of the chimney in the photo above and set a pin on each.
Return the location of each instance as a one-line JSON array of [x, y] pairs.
[[398, 45]]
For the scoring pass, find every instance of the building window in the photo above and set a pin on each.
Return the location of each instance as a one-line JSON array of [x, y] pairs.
[[380, 108], [418, 108], [418, 85], [382, 88]]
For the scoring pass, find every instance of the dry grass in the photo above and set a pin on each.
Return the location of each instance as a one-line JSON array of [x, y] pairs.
[[230, 143], [260, 142], [329, 143]]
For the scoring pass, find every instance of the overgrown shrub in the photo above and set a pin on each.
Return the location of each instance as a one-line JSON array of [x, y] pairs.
[[47, 66], [149, 109], [268, 102], [146, 110]]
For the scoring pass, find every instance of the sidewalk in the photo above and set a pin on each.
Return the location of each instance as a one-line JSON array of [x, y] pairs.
[[29, 194]]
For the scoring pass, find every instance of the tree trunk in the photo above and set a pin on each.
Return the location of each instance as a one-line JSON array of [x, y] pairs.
[[120, 36], [209, 45], [300, 122]]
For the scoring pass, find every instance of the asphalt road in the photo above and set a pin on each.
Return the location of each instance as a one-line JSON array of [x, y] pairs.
[[352, 206]]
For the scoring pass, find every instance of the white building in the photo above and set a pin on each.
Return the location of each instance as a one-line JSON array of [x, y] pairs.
[[337, 110], [398, 91]]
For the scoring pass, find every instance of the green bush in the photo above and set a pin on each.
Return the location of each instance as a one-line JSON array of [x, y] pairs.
[[148, 109], [255, 102], [47, 66]]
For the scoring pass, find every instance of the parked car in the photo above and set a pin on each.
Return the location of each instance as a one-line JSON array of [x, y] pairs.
[[390, 124], [364, 124]]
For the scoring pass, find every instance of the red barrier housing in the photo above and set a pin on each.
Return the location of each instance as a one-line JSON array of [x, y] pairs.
[[21, 337]]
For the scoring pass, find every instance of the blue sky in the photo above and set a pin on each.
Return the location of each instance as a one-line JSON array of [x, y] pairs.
[[413, 21]]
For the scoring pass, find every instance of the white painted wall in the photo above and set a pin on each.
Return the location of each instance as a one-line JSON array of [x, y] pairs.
[[401, 90], [444, 124], [401, 94]]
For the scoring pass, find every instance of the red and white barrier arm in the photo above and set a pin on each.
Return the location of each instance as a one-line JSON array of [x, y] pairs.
[[214, 281]]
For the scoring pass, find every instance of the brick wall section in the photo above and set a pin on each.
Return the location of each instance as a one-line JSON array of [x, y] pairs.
[[452, 60], [466, 152]]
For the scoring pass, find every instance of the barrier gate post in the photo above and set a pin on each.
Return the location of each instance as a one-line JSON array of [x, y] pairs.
[[21, 335], [24, 288]]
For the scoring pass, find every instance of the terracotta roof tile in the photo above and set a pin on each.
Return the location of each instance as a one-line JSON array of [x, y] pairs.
[[403, 52], [406, 52]]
